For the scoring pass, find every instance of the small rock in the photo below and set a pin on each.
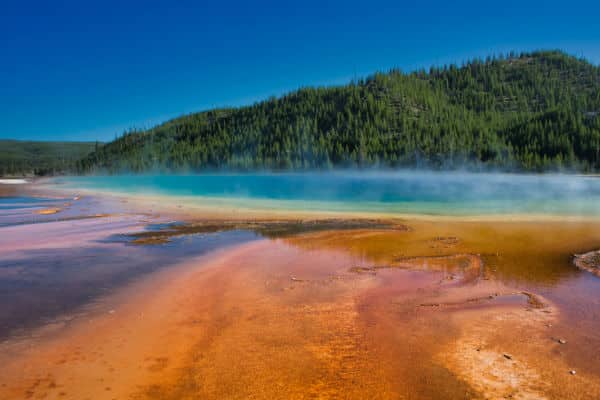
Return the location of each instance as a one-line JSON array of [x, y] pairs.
[[507, 356], [562, 341], [572, 372]]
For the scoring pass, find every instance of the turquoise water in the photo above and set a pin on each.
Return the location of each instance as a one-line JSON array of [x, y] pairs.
[[389, 192]]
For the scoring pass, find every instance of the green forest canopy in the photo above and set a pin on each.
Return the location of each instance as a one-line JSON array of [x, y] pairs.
[[19, 158], [531, 111]]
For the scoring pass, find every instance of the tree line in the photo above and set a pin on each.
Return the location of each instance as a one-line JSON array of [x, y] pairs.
[[531, 111]]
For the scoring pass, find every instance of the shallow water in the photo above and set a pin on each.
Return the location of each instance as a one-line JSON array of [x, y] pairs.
[[385, 192], [25, 209], [424, 312], [50, 265], [390, 192]]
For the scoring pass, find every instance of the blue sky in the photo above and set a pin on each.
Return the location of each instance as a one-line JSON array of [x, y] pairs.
[[87, 70]]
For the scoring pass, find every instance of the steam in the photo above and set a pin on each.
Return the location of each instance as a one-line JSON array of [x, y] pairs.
[[404, 191]]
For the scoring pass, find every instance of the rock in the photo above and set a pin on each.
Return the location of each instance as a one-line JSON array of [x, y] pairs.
[[572, 372], [588, 262], [562, 341], [507, 356]]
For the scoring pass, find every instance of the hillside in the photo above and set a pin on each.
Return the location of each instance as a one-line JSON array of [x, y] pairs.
[[21, 158], [532, 111]]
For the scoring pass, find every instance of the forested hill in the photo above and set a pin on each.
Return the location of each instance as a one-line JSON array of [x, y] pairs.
[[23, 158], [532, 111]]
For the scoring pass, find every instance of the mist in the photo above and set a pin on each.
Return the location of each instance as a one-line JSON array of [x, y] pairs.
[[401, 191]]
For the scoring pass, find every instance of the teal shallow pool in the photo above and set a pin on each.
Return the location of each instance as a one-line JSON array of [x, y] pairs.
[[386, 192]]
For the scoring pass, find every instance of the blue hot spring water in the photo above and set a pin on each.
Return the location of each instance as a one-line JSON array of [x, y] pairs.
[[398, 192]]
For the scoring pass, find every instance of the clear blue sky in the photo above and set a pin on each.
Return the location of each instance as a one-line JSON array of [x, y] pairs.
[[87, 70]]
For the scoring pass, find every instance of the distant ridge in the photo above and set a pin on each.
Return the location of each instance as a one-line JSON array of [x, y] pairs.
[[27, 158], [530, 111]]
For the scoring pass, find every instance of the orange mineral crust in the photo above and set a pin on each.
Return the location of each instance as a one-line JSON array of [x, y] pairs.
[[437, 311]]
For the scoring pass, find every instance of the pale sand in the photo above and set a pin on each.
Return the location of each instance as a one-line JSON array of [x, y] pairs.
[[13, 181]]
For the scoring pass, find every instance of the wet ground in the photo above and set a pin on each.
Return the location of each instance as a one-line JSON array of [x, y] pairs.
[[126, 305], [53, 264]]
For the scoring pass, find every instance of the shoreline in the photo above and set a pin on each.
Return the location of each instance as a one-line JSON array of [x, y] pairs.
[[425, 309], [199, 207]]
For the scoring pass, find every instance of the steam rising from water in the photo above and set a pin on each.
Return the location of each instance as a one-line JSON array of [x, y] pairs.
[[396, 192]]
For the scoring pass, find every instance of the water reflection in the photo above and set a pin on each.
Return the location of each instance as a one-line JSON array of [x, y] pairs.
[[40, 282]]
